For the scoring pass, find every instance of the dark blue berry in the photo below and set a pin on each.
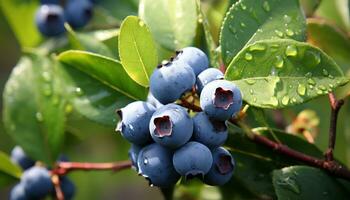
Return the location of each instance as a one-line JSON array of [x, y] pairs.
[[78, 12], [50, 1], [209, 132], [18, 193], [221, 99], [50, 20], [171, 126], [133, 155], [68, 188], [135, 119], [222, 168], [208, 76], [155, 164], [19, 157], [152, 100], [193, 160], [171, 80], [194, 57], [37, 182]]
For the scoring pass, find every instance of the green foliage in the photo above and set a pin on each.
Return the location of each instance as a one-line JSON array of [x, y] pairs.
[[9, 172]]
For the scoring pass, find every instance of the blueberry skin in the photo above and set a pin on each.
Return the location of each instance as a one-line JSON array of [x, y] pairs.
[[37, 182], [155, 163], [133, 155], [206, 77], [18, 193], [209, 132], [152, 100], [50, 20], [193, 159], [221, 99], [135, 118], [171, 126], [194, 57], [222, 168], [78, 12], [49, 1], [171, 80], [19, 157], [68, 188]]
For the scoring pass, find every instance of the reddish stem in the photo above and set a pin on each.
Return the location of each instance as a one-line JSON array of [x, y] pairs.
[[56, 182]]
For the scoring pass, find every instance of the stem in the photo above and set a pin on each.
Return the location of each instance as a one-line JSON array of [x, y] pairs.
[[56, 182], [335, 107], [63, 168]]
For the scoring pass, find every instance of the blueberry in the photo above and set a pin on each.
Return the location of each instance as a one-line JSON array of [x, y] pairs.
[[78, 12], [169, 81], [221, 99], [194, 57], [50, 20], [37, 182], [208, 76], [135, 118], [133, 154], [68, 188], [155, 163], [19, 157], [50, 1], [222, 168], [171, 126], [152, 100], [193, 160], [18, 193], [209, 132]]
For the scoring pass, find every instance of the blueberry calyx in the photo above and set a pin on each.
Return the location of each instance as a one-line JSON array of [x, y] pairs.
[[194, 174], [163, 125], [224, 164], [223, 98], [219, 126]]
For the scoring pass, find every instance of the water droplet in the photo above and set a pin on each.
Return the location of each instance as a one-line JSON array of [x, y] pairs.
[[251, 91], [331, 77], [232, 29], [285, 100], [274, 101], [244, 7], [259, 30], [250, 81], [266, 6], [308, 75], [319, 91], [257, 47], [291, 50], [248, 56], [279, 33], [243, 24], [290, 184], [231, 16], [311, 81], [331, 85], [68, 108], [46, 76], [322, 87], [79, 91], [39, 116], [287, 19], [141, 23], [289, 32], [325, 72], [301, 89], [145, 161], [293, 100], [255, 99], [279, 62]]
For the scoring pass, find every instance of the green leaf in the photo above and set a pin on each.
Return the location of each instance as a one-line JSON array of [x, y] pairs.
[[106, 70], [281, 73], [137, 50], [21, 16], [251, 20], [173, 23], [7, 167], [302, 182], [33, 108], [336, 11]]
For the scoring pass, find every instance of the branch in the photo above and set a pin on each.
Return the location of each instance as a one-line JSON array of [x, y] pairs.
[[63, 168], [335, 107], [56, 182]]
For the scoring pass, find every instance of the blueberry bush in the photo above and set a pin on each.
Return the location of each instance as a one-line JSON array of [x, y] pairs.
[[204, 99]]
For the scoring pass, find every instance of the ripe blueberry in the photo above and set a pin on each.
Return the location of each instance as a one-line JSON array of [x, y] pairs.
[[194, 57], [221, 99], [50, 20], [78, 12], [18, 193], [133, 154], [222, 168], [68, 188], [134, 122], [209, 132], [171, 80], [152, 100], [50, 1], [37, 182], [19, 157], [208, 76], [192, 160], [171, 126], [155, 163]]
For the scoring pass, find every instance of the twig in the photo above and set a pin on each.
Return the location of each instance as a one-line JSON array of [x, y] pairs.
[[335, 107], [63, 168], [56, 182]]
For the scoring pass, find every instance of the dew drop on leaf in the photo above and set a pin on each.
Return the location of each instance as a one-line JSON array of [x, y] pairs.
[[39, 117], [79, 91], [244, 7], [311, 81], [279, 33], [248, 56], [287, 19], [291, 50], [250, 81], [257, 47], [243, 24], [325, 72], [289, 32], [285, 100], [301, 89], [279, 62], [266, 6]]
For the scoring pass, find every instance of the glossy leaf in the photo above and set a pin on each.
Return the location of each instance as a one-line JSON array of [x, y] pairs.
[[137, 50], [173, 23], [105, 70], [303, 182], [281, 73], [34, 109], [249, 21], [21, 16], [7, 167], [336, 11]]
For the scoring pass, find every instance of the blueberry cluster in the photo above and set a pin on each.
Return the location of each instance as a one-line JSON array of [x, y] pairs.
[[36, 180], [167, 140], [50, 16]]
